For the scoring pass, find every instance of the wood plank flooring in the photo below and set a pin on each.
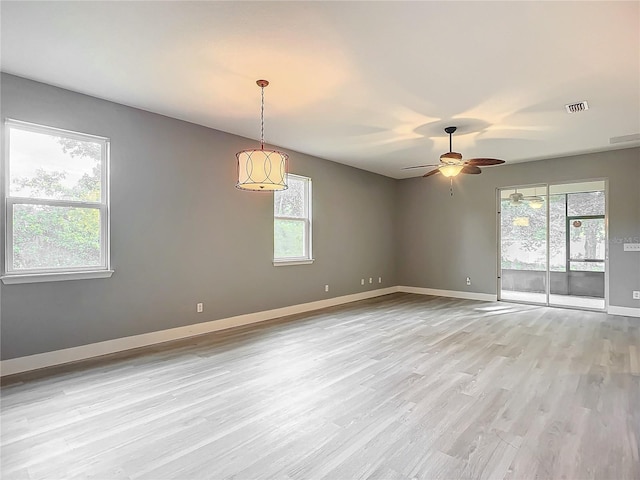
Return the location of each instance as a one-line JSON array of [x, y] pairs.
[[397, 387]]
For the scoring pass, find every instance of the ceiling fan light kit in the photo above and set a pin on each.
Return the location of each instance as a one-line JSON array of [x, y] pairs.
[[536, 203], [451, 164], [451, 170]]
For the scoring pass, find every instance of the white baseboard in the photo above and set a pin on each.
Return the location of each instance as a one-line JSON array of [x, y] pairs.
[[487, 297], [624, 311], [83, 352]]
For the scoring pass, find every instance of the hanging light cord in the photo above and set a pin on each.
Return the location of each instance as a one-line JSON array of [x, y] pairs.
[[262, 120]]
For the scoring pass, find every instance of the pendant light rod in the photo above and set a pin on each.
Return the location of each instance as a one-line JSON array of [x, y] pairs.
[[262, 84]]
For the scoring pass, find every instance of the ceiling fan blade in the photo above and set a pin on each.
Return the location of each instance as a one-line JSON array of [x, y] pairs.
[[432, 172], [484, 162], [471, 169], [419, 166]]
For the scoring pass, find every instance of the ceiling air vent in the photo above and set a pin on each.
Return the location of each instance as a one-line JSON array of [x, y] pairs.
[[577, 107]]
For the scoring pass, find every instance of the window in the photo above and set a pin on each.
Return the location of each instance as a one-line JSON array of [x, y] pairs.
[[292, 223], [57, 209]]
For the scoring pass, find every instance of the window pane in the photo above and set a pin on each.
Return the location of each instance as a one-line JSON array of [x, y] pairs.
[[523, 237], [587, 266], [50, 166], [586, 203], [288, 238], [586, 239], [290, 202], [557, 234], [55, 237]]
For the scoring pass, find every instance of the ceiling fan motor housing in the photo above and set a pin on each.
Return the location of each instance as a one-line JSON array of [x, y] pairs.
[[451, 158], [516, 198]]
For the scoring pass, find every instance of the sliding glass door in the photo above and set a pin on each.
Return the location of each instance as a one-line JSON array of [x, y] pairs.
[[577, 235], [523, 244], [553, 244]]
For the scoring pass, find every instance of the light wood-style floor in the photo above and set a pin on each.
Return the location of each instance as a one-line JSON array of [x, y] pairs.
[[398, 387]]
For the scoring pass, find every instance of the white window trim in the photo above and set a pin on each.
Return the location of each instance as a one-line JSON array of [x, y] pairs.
[[308, 222], [54, 277], [12, 276], [289, 263]]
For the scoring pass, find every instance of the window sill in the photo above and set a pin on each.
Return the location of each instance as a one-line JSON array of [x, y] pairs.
[[286, 263], [54, 277]]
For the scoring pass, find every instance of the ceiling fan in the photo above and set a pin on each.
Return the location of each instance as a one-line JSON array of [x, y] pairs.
[[451, 163], [534, 201]]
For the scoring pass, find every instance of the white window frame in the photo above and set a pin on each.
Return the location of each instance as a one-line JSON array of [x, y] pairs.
[[11, 275], [308, 257]]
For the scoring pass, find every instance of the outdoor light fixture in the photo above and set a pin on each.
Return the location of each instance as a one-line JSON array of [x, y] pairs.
[[260, 169], [536, 202]]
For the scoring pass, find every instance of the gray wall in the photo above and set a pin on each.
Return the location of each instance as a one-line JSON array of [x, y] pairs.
[[181, 233], [444, 239]]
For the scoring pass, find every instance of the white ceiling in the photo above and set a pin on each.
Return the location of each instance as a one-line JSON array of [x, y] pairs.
[[368, 84]]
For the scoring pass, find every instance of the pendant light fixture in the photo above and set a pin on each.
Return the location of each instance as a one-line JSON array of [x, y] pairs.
[[262, 170]]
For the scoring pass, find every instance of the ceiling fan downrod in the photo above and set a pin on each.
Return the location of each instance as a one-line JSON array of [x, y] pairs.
[[450, 131]]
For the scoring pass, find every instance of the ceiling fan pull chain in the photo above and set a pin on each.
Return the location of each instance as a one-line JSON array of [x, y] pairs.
[[451, 186]]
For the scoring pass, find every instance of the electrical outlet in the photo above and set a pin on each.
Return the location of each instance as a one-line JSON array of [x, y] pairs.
[[199, 307], [379, 279], [636, 294], [370, 280], [362, 282], [326, 288], [468, 280]]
